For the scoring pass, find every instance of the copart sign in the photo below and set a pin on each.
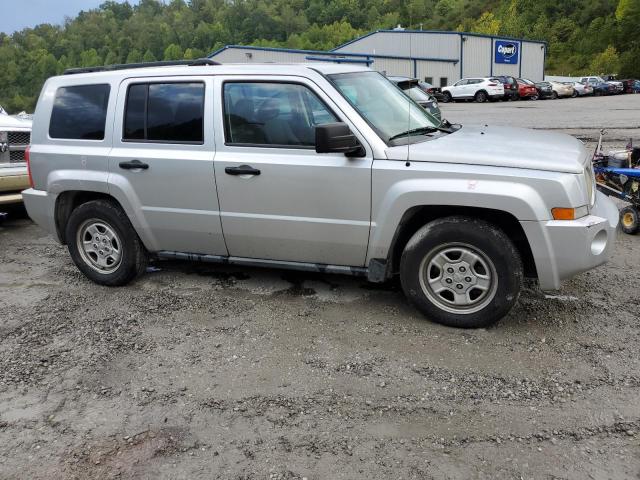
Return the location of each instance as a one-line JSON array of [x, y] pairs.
[[507, 52]]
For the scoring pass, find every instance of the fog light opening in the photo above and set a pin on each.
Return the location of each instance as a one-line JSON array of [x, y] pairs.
[[599, 242]]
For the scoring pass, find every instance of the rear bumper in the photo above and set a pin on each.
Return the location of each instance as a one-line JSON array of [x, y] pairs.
[[41, 207], [562, 249], [11, 186]]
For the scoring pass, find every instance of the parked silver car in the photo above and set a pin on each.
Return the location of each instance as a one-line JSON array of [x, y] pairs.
[[321, 167]]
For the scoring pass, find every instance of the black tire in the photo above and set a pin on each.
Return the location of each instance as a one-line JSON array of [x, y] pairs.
[[533, 98], [446, 97], [554, 95], [439, 239], [481, 97], [629, 220], [133, 256], [574, 94]]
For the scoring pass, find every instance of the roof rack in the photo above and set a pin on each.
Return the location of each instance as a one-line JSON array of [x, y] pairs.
[[125, 66]]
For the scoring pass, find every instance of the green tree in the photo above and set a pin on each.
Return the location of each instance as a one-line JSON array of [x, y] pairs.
[[606, 62], [149, 56], [173, 52]]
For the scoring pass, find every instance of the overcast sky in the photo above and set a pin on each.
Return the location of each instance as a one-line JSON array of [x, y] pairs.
[[18, 14]]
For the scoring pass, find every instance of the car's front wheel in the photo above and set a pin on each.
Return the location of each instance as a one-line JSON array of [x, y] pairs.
[[461, 272], [103, 244]]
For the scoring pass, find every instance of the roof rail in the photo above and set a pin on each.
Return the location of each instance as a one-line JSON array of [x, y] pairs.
[[125, 66]]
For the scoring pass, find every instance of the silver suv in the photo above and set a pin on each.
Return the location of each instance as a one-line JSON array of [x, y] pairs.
[[321, 167]]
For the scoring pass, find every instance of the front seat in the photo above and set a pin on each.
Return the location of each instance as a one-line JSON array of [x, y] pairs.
[[277, 130]]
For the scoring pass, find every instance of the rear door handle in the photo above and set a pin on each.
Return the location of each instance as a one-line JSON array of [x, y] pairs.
[[241, 170], [133, 164]]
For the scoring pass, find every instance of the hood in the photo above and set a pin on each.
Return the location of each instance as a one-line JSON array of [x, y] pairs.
[[500, 147], [7, 121]]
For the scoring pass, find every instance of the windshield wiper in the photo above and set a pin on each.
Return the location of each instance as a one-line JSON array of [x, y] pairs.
[[418, 131]]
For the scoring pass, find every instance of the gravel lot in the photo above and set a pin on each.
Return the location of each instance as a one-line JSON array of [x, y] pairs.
[[200, 371]]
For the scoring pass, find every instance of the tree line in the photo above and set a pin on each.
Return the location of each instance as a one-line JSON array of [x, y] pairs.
[[585, 36]]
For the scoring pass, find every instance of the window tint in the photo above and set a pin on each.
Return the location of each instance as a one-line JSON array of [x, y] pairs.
[[165, 112], [135, 118], [79, 112], [460, 83], [273, 114]]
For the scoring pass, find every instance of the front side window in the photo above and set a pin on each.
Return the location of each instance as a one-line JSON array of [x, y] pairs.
[[80, 112], [389, 111], [273, 114], [165, 113]]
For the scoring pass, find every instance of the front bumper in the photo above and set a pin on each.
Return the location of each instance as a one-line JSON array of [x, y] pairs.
[[41, 208], [563, 248]]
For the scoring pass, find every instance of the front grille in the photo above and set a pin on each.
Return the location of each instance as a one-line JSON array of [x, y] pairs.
[[19, 138], [16, 156]]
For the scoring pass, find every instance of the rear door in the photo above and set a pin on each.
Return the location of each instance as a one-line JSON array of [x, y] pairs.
[[162, 162], [279, 199]]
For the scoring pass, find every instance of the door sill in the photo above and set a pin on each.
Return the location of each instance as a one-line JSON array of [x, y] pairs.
[[259, 262]]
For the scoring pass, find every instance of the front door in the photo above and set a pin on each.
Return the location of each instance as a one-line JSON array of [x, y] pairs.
[[162, 163], [279, 199]]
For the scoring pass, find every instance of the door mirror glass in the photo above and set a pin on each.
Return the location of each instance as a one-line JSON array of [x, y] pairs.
[[337, 138]]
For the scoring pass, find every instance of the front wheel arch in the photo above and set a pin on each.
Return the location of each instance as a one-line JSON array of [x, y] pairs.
[[416, 217]]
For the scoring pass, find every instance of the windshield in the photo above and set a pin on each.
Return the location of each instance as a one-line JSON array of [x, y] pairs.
[[384, 106]]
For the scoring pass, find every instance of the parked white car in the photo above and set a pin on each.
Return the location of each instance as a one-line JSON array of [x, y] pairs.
[[15, 135], [478, 89], [581, 89]]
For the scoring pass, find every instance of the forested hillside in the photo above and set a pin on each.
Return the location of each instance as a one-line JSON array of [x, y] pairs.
[[595, 36]]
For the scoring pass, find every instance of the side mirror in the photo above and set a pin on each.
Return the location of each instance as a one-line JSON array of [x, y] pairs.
[[337, 138]]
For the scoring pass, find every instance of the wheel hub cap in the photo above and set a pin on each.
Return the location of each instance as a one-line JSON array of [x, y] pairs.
[[627, 219], [99, 246], [458, 278]]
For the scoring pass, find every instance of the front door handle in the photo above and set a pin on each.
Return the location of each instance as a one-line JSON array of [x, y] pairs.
[[241, 170], [133, 164]]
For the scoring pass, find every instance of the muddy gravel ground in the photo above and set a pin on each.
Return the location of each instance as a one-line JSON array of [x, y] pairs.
[[201, 371]]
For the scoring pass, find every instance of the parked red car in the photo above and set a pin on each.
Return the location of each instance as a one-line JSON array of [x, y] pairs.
[[526, 90]]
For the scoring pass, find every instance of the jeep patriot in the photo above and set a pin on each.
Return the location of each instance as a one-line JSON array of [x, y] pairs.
[[319, 167]]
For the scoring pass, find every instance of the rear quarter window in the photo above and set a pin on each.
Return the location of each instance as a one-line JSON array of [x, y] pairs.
[[80, 112]]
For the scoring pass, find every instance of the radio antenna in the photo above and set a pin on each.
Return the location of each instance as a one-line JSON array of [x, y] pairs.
[[410, 103]]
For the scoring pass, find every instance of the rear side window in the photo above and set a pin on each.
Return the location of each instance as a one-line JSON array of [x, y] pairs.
[[79, 112], [165, 113]]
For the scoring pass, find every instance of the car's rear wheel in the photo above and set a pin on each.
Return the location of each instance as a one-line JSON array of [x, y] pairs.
[[447, 97], [554, 95], [481, 97], [629, 220], [574, 94], [103, 244], [533, 98], [461, 272]]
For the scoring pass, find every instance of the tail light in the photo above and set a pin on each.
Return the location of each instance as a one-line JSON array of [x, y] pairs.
[[27, 158]]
